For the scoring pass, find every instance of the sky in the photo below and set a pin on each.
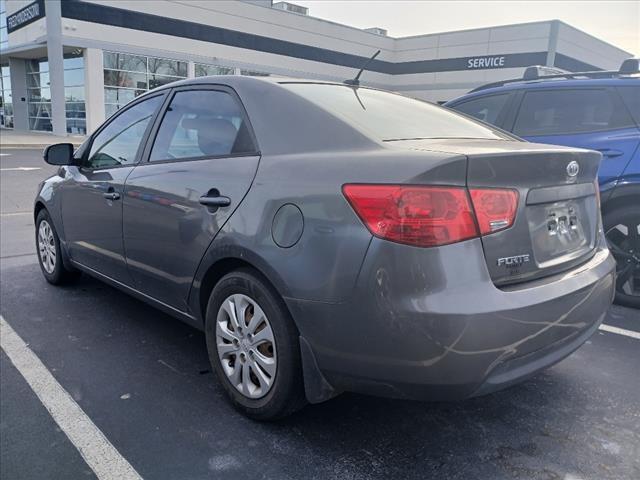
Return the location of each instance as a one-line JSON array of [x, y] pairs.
[[616, 22]]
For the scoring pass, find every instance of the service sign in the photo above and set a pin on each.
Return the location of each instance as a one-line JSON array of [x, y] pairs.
[[25, 16], [486, 62]]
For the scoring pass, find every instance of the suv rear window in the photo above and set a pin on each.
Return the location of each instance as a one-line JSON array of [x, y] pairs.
[[485, 108], [558, 112], [387, 116], [631, 96]]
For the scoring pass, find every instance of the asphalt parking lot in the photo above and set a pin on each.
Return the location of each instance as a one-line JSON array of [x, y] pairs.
[[144, 380]]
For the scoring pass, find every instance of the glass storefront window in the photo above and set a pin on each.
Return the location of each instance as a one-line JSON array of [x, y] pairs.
[[4, 36], [39, 94], [6, 99], [121, 96], [170, 68], [74, 94], [76, 110], [159, 80], [72, 78], [76, 126], [127, 76], [122, 61], [37, 80], [42, 124], [254, 73], [35, 66], [203, 70], [115, 78], [40, 110]]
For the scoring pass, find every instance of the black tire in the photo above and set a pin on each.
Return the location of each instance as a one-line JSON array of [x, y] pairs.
[[626, 250], [286, 394], [59, 274]]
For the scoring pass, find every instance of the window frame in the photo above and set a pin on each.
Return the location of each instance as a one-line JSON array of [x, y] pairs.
[[82, 162], [613, 96], [152, 135]]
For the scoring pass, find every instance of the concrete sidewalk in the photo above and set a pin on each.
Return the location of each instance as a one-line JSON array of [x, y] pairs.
[[21, 139]]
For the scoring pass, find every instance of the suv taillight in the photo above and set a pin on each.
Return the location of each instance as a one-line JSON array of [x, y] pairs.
[[428, 216], [423, 216]]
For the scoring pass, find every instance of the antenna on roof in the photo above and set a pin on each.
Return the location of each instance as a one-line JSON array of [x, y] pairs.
[[356, 81]]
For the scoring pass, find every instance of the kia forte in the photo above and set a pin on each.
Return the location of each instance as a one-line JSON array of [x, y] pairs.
[[328, 237]]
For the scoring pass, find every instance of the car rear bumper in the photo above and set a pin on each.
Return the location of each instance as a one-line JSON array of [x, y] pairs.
[[429, 323]]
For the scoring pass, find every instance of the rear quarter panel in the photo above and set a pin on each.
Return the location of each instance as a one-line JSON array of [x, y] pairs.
[[324, 264]]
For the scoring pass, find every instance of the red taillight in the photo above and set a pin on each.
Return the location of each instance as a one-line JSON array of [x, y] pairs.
[[423, 216], [495, 208]]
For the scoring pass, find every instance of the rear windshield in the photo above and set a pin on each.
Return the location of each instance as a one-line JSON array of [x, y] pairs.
[[388, 117]]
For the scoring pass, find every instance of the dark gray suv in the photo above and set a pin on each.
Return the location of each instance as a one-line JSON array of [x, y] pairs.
[[332, 238]]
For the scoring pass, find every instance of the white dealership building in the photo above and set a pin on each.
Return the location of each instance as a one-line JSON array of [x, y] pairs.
[[66, 65]]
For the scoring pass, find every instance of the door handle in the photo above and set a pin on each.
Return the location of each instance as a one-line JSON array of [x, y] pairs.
[[215, 201], [610, 152], [111, 195]]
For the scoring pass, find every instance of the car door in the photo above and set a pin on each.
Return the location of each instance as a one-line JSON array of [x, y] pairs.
[[591, 117], [92, 192], [193, 175]]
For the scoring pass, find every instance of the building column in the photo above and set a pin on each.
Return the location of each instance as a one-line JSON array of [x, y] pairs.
[[191, 70], [553, 43], [94, 88], [18, 71], [56, 67]]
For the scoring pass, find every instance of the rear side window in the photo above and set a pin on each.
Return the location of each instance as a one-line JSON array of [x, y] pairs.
[[202, 123], [631, 97], [558, 112], [386, 116], [486, 108]]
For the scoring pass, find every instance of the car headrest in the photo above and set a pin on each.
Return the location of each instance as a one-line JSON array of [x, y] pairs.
[[216, 136]]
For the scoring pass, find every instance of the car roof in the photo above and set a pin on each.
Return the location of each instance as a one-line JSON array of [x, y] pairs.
[[554, 83], [240, 80], [544, 76]]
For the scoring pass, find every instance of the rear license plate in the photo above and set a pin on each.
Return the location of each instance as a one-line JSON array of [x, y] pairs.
[[561, 231]]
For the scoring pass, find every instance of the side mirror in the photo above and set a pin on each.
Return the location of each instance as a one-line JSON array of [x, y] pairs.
[[59, 154]]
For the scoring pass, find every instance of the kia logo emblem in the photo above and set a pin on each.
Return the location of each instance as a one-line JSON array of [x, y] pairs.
[[573, 168]]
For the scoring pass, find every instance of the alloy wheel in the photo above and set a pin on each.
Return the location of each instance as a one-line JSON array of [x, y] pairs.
[[246, 346], [624, 243], [47, 246]]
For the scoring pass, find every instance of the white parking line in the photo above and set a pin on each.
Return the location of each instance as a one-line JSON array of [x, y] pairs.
[[620, 331], [103, 458], [13, 214], [19, 169]]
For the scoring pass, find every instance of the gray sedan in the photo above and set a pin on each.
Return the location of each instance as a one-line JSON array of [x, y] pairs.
[[329, 237]]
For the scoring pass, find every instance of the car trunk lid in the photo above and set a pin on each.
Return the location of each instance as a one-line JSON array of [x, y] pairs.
[[557, 213]]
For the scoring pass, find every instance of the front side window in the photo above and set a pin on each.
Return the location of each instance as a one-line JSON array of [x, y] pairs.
[[558, 112], [387, 116], [118, 143], [202, 123], [486, 108]]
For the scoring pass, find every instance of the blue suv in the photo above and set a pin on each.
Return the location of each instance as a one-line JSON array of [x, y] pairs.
[[595, 110]]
